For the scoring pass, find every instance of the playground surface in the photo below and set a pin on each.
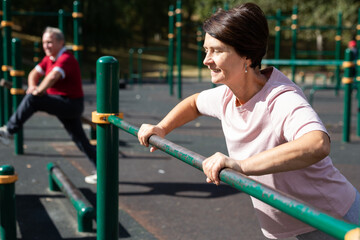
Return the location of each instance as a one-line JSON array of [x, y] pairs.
[[160, 197]]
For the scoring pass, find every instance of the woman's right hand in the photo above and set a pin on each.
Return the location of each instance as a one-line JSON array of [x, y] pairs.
[[146, 131]]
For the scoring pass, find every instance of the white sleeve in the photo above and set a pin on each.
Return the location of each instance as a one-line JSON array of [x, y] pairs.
[[39, 70], [60, 70]]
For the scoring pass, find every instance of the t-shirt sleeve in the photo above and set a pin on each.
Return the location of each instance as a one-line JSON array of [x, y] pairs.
[[292, 116], [61, 65], [41, 67], [209, 102]]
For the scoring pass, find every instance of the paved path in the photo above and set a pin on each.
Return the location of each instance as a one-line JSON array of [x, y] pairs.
[[159, 197]]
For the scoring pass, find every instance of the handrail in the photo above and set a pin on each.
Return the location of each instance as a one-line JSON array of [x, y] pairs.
[[288, 204], [302, 62]]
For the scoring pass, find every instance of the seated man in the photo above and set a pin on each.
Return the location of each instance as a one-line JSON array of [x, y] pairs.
[[60, 93]]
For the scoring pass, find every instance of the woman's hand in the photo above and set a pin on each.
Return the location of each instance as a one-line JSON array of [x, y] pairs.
[[214, 164], [145, 132]]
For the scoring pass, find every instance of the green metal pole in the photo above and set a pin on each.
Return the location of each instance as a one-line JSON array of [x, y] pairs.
[[61, 20], [37, 50], [199, 40], [7, 25], [226, 6], [77, 21], [338, 52], [17, 75], [358, 74], [171, 51], [7, 203], [290, 205], [294, 27], [107, 150], [277, 36], [178, 46], [347, 82], [2, 89]]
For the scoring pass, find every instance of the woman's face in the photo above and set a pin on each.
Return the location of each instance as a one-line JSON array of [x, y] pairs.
[[226, 66]]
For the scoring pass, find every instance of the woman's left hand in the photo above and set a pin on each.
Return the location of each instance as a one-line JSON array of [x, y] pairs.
[[214, 164]]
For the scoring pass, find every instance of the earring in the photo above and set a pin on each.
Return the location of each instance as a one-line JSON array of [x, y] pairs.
[[245, 68]]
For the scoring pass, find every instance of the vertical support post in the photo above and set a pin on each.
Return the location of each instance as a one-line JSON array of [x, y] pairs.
[[17, 92], [277, 36], [171, 50], [77, 19], [358, 74], [6, 23], [178, 46], [199, 40], [2, 89], [294, 27], [36, 57], [7, 203], [61, 20], [338, 52], [52, 184], [347, 82], [107, 150], [226, 5]]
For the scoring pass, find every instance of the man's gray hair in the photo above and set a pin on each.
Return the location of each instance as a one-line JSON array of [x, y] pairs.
[[57, 33]]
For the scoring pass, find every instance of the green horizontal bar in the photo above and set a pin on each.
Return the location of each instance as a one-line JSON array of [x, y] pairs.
[[302, 62], [80, 203], [40, 14], [282, 17], [316, 53], [290, 205], [318, 28]]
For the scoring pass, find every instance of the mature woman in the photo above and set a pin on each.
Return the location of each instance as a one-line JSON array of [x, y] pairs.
[[271, 131]]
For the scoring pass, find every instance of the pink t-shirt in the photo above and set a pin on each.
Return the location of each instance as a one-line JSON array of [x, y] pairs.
[[70, 84], [277, 114]]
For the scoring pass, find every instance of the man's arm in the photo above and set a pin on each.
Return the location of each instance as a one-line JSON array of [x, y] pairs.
[[33, 79], [47, 82]]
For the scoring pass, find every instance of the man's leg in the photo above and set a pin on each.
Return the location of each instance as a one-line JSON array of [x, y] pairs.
[[74, 127], [52, 104]]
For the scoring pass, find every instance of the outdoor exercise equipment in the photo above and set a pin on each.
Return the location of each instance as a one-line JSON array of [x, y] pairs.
[[58, 181], [5, 43], [7, 203], [108, 122], [17, 91]]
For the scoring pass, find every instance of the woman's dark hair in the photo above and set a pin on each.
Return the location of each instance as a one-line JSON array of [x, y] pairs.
[[245, 28]]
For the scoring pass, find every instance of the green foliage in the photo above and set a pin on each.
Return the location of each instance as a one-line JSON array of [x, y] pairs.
[[134, 23]]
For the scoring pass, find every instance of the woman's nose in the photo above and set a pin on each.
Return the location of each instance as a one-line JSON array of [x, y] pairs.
[[207, 60]]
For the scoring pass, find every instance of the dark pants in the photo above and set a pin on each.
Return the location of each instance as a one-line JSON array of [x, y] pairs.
[[67, 110]]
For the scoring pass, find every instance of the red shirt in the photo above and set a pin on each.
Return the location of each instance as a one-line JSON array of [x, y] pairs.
[[69, 84]]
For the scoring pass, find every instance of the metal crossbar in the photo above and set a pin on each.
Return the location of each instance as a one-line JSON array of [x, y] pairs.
[[288, 204]]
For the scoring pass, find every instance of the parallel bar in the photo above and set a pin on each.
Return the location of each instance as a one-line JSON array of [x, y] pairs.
[[292, 206], [85, 211], [302, 62]]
